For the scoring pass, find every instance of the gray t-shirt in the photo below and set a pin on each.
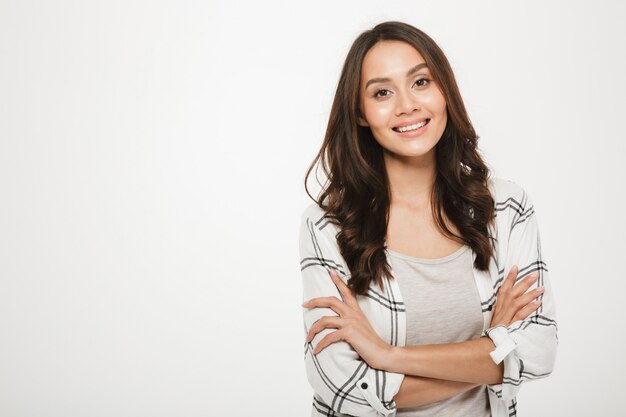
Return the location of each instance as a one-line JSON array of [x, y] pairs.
[[442, 306]]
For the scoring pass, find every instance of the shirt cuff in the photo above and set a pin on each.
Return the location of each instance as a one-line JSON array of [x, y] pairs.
[[368, 390], [505, 344]]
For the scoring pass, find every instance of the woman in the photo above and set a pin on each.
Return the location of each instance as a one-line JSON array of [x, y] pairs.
[[427, 290]]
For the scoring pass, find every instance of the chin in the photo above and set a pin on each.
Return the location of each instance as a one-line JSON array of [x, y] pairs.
[[409, 153]]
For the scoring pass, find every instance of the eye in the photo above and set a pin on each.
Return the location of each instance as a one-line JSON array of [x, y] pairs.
[[422, 82], [377, 93]]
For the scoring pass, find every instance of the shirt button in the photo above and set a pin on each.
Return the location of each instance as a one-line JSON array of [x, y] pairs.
[[364, 385]]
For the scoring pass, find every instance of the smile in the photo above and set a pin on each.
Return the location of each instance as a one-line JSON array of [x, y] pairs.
[[411, 127]]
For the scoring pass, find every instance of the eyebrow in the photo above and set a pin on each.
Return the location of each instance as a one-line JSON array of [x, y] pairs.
[[384, 80]]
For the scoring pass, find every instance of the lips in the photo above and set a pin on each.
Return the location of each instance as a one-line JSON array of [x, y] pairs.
[[409, 126]]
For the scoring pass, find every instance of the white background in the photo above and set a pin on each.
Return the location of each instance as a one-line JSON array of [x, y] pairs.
[[152, 157]]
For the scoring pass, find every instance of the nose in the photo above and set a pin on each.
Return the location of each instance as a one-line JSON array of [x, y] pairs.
[[406, 103]]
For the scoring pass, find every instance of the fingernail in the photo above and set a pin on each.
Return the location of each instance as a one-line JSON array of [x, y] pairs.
[[537, 302], [540, 289]]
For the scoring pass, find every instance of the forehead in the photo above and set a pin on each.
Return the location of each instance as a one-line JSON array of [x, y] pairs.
[[389, 59]]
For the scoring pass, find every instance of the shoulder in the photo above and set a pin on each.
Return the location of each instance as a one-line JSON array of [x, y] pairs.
[[510, 198], [318, 236], [314, 217], [513, 205], [314, 214], [504, 190], [312, 211]]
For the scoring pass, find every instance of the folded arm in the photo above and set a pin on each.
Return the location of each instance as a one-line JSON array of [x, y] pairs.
[[535, 338], [417, 390], [463, 362], [339, 377]]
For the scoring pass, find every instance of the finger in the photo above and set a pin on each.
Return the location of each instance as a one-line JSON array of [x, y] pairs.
[[524, 284], [333, 302], [327, 340], [528, 297], [523, 313], [326, 322], [507, 284], [343, 289]]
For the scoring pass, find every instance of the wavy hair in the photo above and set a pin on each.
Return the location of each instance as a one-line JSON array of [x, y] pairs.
[[356, 196]]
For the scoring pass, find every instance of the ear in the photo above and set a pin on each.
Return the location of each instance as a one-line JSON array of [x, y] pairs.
[[361, 121]]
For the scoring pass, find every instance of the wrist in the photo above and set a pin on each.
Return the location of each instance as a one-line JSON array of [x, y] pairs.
[[392, 358]]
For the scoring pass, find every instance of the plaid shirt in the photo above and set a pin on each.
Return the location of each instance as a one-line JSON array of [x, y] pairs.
[[344, 384]]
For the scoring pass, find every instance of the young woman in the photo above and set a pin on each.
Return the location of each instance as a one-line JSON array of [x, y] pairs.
[[427, 291]]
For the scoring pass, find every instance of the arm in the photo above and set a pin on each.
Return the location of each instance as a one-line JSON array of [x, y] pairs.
[[416, 390], [337, 374], [464, 361], [535, 338]]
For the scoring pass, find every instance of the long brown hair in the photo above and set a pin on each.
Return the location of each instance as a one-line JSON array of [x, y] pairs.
[[356, 196]]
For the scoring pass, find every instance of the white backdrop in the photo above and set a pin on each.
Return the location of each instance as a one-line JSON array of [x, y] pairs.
[[152, 156]]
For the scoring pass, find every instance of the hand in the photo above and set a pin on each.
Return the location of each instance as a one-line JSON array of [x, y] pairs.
[[513, 302], [352, 326]]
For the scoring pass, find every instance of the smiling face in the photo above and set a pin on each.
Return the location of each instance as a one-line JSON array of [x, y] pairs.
[[400, 101]]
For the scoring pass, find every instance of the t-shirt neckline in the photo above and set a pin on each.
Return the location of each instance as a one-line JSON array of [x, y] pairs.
[[444, 259]]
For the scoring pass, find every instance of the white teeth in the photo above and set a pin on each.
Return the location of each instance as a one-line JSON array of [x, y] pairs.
[[411, 127]]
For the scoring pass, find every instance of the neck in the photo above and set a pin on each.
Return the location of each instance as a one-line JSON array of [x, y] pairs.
[[411, 179]]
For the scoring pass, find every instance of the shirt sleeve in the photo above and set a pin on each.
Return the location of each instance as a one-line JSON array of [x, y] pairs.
[[337, 374], [527, 347]]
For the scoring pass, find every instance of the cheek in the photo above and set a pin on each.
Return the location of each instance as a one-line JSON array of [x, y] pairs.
[[377, 113], [436, 103], [441, 103]]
